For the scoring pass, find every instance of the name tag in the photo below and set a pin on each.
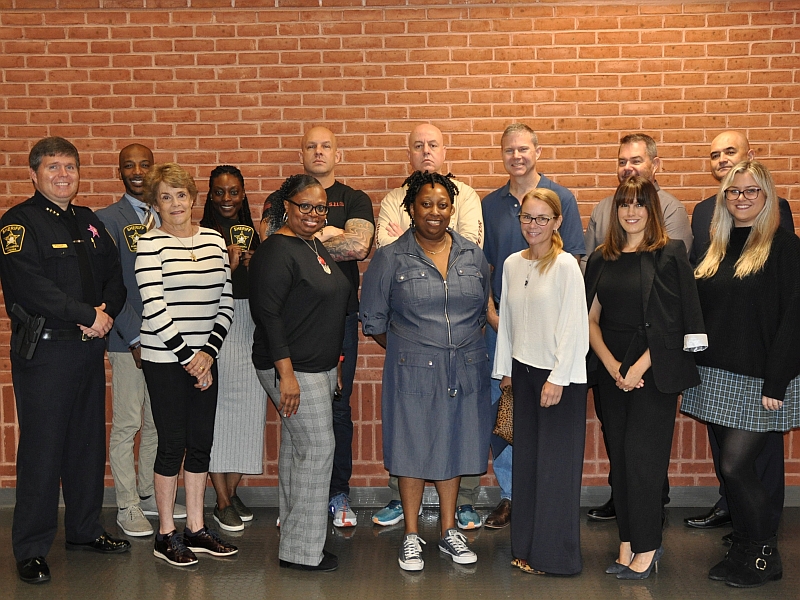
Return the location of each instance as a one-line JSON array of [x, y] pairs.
[[60, 246]]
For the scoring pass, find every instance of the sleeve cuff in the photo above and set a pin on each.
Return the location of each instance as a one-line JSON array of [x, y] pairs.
[[695, 342]]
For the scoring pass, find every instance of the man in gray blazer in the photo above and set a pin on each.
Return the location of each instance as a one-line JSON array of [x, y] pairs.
[[127, 220], [638, 155]]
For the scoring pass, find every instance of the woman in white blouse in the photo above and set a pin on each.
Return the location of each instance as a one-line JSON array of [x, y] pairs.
[[542, 342]]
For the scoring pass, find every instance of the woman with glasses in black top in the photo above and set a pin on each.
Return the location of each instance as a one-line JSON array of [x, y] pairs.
[[298, 298]]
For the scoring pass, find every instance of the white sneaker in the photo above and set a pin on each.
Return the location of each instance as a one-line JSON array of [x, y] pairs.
[[410, 556], [150, 508], [133, 522]]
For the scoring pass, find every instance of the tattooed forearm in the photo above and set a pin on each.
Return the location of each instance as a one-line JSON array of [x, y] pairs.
[[354, 243]]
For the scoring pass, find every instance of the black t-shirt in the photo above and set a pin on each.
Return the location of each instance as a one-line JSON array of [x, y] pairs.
[[345, 203]]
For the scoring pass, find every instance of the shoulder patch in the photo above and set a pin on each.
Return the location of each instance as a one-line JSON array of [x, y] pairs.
[[132, 234], [12, 237]]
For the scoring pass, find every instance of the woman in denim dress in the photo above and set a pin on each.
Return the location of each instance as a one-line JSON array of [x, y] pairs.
[[424, 299]]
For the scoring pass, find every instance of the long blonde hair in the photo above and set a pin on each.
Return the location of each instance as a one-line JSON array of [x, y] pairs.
[[758, 244], [552, 200]]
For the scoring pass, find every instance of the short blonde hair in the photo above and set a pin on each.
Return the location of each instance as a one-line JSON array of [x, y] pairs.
[[173, 175]]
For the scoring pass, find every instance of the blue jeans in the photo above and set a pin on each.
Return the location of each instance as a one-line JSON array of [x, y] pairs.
[[342, 419], [501, 463]]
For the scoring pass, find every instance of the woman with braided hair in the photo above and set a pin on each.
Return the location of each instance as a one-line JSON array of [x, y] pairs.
[[298, 299], [241, 406], [424, 299]]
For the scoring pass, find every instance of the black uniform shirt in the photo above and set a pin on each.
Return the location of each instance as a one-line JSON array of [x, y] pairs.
[[40, 268]]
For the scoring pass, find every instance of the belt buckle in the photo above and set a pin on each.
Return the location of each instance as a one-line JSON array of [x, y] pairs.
[[85, 338]]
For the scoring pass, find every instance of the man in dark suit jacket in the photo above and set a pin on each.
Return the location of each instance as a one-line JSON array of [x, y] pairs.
[[728, 149], [127, 220]]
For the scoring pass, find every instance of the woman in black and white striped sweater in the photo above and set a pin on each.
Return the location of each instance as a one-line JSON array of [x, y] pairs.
[[184, 278]]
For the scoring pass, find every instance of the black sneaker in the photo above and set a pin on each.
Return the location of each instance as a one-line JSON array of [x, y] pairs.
[[206, 540], [173, 550]]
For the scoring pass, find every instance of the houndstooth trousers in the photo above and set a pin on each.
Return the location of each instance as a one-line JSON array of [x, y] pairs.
[[305, 465]]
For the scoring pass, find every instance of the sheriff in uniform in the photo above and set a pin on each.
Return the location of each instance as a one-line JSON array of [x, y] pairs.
[[62, 284]]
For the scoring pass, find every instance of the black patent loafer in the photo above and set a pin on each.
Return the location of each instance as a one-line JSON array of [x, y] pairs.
[[105, 544], [715, 518], [607, 512], [329, 562], [33, 570]]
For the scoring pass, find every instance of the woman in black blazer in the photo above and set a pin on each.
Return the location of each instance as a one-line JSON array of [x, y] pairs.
[[644, 319]]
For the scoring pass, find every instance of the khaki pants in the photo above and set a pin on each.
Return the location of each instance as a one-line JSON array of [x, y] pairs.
[[131, 413]]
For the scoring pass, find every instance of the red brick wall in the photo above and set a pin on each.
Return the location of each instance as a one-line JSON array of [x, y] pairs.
[[236, 81]]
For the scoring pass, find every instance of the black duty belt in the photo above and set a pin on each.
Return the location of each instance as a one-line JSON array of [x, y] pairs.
[[64, 335]]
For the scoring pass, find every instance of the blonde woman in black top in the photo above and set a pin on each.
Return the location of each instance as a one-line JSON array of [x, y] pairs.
[[749, 286]]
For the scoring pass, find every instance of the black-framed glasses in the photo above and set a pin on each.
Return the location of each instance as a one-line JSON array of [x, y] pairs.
[[541, 220], [306, 208], [749, 193]]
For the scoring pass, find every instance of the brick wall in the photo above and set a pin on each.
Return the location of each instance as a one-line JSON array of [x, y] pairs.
[[204, 82]]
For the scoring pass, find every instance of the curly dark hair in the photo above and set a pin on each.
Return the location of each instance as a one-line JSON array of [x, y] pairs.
[[273, 206], [244, 217], [418, 179]]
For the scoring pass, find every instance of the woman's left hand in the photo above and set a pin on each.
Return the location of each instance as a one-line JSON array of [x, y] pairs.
[[199, 365], [204, 381], [630, 381], [551, 394], [771, 403]]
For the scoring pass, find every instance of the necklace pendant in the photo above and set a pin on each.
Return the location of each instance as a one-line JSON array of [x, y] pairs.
[[324, 265], [192, 256]]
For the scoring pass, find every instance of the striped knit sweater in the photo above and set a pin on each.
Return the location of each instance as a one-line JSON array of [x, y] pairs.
[[188, 305]]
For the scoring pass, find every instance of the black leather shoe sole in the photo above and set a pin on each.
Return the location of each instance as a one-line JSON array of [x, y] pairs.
[[709, 521], [105, 544], [328, 563], [601, 515]]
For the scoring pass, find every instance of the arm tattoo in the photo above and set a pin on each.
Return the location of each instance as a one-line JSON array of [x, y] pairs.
[[354, 243]]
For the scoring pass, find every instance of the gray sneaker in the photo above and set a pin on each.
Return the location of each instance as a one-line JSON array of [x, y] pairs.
[[228, 519], [132, 521], [455, 544], [150, 508], [245, 514]]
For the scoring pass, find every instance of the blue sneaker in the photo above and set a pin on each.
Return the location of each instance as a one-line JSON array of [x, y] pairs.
[[339, 507], [390, 514], [467, 517]]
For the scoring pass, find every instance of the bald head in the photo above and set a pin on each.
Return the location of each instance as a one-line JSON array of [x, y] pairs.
[[727, 150], [134, 161], [320, 155], [426, 149]]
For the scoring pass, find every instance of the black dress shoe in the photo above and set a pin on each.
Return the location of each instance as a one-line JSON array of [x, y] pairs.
[[715, 518], [603, 513], [33, 570], [329, 562], [104, 544]]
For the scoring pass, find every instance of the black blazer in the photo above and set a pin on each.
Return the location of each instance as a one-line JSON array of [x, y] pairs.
[[671, 311]]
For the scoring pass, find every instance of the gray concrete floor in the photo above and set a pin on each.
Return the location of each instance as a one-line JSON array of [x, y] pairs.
[[368, 567]]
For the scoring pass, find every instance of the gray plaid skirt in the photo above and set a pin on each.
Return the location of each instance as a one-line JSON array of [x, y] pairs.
[[734, 400]]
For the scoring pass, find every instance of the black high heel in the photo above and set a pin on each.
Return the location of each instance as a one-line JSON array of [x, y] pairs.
[[630, 574]]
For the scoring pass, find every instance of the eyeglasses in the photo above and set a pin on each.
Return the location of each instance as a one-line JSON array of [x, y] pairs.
[[748, 193], [306, 208], [541, 220]]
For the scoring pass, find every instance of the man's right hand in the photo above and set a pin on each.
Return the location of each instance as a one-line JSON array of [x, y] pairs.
[[394, 230], [137, 355]]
